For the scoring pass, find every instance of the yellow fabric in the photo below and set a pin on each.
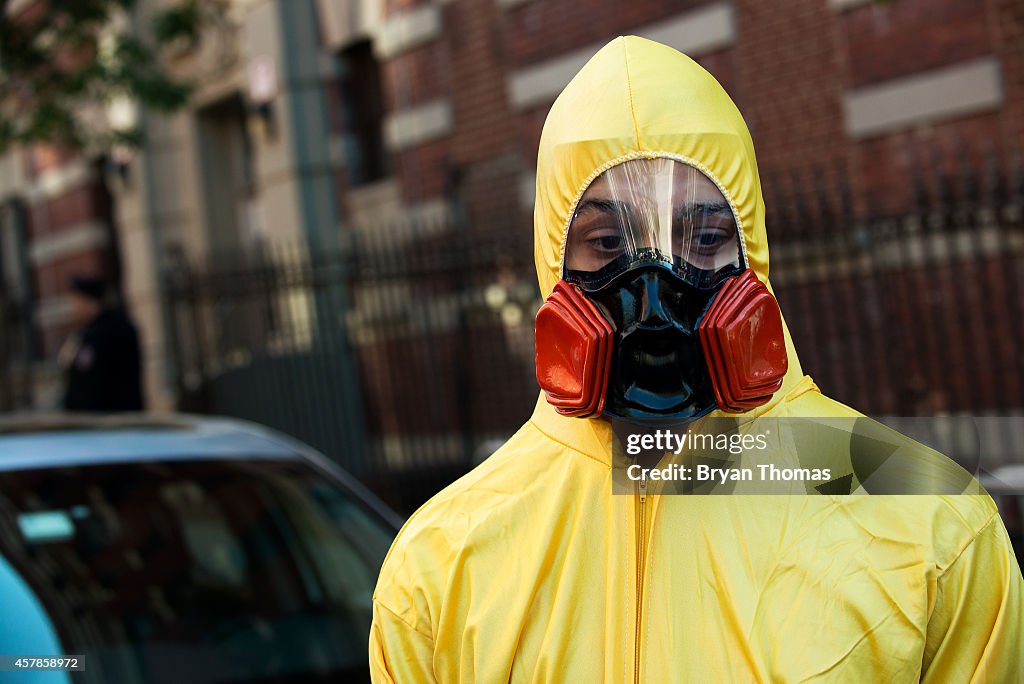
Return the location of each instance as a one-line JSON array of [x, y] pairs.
[[528, 570]]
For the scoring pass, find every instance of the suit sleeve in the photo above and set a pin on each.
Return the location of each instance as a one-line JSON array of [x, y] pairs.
[[398, 653], [975, 631]]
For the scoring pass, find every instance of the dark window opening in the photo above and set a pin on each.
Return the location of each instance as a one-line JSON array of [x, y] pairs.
[[363, 111]]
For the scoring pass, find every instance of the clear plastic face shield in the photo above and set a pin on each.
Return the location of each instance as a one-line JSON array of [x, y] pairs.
[[653, 211]]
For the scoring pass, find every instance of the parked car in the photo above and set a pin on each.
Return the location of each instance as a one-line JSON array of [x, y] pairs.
[[183, 549]]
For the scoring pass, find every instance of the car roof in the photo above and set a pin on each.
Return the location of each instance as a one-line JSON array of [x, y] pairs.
[[33, 441]]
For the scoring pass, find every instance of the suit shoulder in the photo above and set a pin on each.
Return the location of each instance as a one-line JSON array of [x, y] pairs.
[[436, 536]]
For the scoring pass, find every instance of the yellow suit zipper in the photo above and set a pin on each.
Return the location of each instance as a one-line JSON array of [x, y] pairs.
[[641, 548]]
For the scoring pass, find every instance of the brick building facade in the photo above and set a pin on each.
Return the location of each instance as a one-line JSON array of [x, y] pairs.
[[869, 89]]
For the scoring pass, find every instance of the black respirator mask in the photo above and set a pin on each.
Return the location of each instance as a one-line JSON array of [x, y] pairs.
[[656, 318]]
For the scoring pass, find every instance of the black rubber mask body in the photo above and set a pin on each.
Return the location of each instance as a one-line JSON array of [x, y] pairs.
[[658, 373]]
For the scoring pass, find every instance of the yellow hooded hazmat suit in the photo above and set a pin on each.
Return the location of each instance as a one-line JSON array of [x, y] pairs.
[[529, 570]]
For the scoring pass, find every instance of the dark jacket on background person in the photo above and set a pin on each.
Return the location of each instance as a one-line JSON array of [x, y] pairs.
[[106, 374]]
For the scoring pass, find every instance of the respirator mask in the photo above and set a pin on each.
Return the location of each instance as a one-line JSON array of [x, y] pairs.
[[657, 319]]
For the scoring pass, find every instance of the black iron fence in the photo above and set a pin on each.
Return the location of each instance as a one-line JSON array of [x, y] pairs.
[[407, 353], [914, 313]]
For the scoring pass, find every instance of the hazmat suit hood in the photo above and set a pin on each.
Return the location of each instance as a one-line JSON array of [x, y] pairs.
[[638, 99]]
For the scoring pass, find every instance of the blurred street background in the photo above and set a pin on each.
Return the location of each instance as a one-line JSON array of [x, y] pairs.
[[332, 233]]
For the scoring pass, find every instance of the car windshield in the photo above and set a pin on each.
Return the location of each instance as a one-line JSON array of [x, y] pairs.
[[197, 571]]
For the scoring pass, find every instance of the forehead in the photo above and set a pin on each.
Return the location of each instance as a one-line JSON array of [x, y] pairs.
[[646, 178]]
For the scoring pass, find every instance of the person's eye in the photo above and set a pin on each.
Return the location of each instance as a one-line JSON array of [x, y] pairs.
[[709, 239], [607, 243]]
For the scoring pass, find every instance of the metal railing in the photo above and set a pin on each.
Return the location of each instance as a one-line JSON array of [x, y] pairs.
[[406, 355], [915, 313]]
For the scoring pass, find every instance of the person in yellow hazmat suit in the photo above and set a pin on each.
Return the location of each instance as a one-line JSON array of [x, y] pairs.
[[651, 251]]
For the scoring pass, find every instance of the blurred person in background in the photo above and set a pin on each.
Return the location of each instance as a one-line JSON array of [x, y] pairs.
[[649, 215], [102, 360]]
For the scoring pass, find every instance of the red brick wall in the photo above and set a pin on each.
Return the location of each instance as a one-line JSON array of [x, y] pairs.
[[539, 30], [792, 64], [423, 170], [900, 39], [71, 208], [885, 165], [1007, 17], [485, 148], [416, 76], [789, 85], [52, 278], [908, 36]]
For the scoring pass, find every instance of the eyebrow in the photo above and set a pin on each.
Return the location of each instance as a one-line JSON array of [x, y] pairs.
[[603, 205], [619, 207], [710, 207]]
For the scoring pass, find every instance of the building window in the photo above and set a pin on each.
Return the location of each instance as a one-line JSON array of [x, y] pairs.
[[363, 112], [228, 169]]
